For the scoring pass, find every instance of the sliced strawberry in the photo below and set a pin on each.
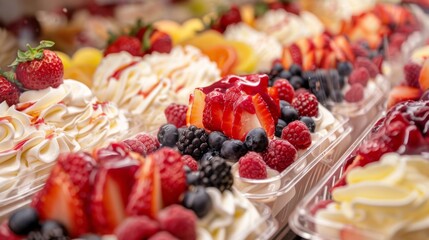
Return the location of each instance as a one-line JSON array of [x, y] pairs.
[[213, 111], [245, 118], [60, 201], [424, 76], [338, 52], [286, 58], [305, 45], [344, 44], [264, 115], [296, 54], [145, 198], [322, 42], [329, 60], [196, 109], [160, 42], [318, 56], [309, 61], [231, 96], [112, 186], [401, 94]]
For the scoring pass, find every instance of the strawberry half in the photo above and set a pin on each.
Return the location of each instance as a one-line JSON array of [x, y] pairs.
[[231, 96], [194, 116], [264, 115], [245, 118], [213, 111]]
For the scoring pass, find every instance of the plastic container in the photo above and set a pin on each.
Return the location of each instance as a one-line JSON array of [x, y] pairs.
[[282, 192], [302, 222]]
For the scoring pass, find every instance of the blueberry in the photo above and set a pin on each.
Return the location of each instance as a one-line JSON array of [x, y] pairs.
[[216, 139], [198, 201], [295, 70], [256, 140], [296, 82], [283, 104], [233, 150], [168, 135], [23, 221], [53, 229], [285, 74], [337, 96], [279, 127], [90, 236], [344, 68], [277, 68], [193, 178], [289, 114], [341, 82], [309, 122]]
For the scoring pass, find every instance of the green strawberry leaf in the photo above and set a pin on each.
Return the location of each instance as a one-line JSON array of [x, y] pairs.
[[32, 53], [146, 38]]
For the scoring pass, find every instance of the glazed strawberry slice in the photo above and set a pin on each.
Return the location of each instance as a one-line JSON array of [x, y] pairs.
[[112, 187], [329, 60], [292, 54], [145, 198], [60, 201], [264, 115], [213, 111], [424, 76], [245, 118], [401, 94], [231, 96], [344, 45], [309, 61], [194, 116]]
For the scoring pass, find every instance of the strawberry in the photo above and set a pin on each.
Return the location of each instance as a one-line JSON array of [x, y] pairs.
[[226, 18], [306, 104], [145, 197], [197, 103], [344, 45], [179, 221], [137, 228], [129, 44], [402, 93], [265, 116], [378, 61], [153, 40], [173, 178], [112, 187], [163, 235], [9, 92], [245, 118], [38, 68], [6, 233], [296, 54], [60, 201], [284, 89], [176, 114], [412, 72], [231, 96], [424, 76], [213, 111], [114, 152], [359, 50]]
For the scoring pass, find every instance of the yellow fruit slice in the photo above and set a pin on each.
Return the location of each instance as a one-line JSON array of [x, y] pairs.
[[206, 40], [78, 75], [87, 56], [247, 60], [65, 59], [247, 12]]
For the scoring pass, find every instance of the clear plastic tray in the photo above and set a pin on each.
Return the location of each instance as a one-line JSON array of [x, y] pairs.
[[301, 221], [283, 191]]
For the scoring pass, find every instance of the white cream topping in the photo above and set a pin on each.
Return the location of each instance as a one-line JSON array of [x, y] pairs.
[[232, 214], [390, 197], [267, 48], [287, 27]]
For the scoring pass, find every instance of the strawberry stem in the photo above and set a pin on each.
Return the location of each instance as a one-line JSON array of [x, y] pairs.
[[32, 53], [10, 76], [146, 38]]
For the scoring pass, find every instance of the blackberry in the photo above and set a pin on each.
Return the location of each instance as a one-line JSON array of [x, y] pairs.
[[216, 173], [193, 141]]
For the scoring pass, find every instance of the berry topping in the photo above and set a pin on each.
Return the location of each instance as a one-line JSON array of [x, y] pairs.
[[359, 50], [149, 141], [297, 82], [344, 68], [295, 70], [216, 173], [227, 17], [359, 75], [297, 134], [280, 155], [216, 140], [279, 128], [256, 140], [23, 221], [53, 230], [412, 72], [9, 92], [137, 228], [424, 76], [289, 114], [232, 150], [135, 146], [38, 68], [355, 93], [198, 200], [193, 141], [309, 122], [306, 104], [168, 135], [190, 162], [176, 114], [284, 89], [178, 221], [368, 64], [129, 44], [252, 166]]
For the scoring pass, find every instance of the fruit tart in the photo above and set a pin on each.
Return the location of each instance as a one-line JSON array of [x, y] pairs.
[[117, 193]]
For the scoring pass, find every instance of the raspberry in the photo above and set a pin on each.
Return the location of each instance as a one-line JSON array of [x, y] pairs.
[[179, 221], [306, 104], [163, 236], [137, 228], [354, 94], [176, 114], [368, 64], [300, 91], [190, 162], [359, 75], [150, 142], [173, 176], [280, 155], [8, 92], [412, 72], [378, 61], [285, 90], [297, 134], [252, 166], [135, 146], [359, 50]]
